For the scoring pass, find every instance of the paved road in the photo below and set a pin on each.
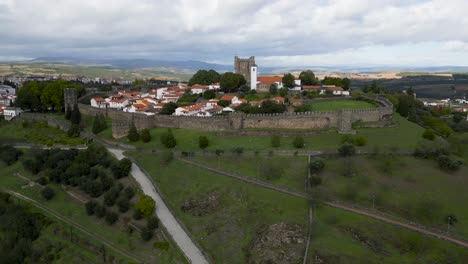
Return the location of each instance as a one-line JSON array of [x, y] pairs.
[[164, 214]]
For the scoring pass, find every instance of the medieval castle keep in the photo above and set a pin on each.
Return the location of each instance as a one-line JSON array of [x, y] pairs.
[[245, 67], [342, 119]]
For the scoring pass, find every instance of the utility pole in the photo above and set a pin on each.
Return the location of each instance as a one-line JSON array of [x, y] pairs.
[[448, 223]]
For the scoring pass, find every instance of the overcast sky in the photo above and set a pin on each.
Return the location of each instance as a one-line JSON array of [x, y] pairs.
[[277, 32]]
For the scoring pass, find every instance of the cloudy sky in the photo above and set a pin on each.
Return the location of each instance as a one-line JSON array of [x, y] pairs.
[[277, 32]]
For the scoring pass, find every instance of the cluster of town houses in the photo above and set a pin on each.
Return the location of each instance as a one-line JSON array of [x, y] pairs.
[[7, 100], [152, 102]]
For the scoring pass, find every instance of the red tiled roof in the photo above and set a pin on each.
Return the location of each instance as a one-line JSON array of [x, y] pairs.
[[227, 97], [335, 88], [199, 86], [269, 79], [311, 87], [99, 99], [119, 100], [279, 98], [193, 107]]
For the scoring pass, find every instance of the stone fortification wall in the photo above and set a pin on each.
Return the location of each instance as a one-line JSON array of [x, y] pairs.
[[342, 119]]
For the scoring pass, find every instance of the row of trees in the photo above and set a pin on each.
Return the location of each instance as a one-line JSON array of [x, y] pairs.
[[42, 96], [229, 82], [267, 107]]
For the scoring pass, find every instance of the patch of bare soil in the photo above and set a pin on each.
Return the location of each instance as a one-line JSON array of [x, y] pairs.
[[278, 243], [201, 207]]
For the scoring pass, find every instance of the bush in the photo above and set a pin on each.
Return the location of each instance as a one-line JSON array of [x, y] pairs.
[[360, 141], [275, 141], [146, 234], [133, 135], [146, 205], [449, 163], [203, 142], [347, 150], [123, 203], [168, 139], [111, 217], [429, 134], [161, 245], [298, 142], [90, 207], [129, 192], [145, 135], [48, 193], [137, 215], [315, 181], [347, 139], [271, 171], [100, 210], [238, 151], [316, 166], [152, 223], [74, 131]]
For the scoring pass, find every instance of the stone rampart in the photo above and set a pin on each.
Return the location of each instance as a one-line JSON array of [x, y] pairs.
[[342, 119]]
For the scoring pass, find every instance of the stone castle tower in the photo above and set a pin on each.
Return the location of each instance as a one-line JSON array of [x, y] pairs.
[[69, 98], [243, 66]]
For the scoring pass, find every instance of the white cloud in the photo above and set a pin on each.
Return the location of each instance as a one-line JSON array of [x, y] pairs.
[[218, 29]]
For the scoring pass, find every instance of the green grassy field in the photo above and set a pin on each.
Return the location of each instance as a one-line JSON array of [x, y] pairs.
[[35, 132], [405, 135], [73, 209], [227, 230], [293, 169], [340, 104], [341, 237], [412, 188]]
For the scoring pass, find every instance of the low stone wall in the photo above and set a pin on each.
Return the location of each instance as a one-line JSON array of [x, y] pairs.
[[342, 119]]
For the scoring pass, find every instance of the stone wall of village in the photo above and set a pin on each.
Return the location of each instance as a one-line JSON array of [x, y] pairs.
[[342, 119]]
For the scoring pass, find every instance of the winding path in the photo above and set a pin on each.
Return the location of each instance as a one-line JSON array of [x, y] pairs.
[[182, 239]]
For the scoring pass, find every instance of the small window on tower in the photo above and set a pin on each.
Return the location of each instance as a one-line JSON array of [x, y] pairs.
[[253, 69]]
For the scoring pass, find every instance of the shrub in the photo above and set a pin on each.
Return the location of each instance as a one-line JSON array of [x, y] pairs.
[[168, 139], [137, 215], [146, 205], [146, 234], [238, 151], [449, 163], [48, 193], [360, 141], [161, 245], [111, 217], [298, 142], [111, 196], [100, 210], [129, 192], [133, 135], [347, 139], [203, 142], [152, 223], [429, 134], [90, 207], [347, 150], [271, 171], [316, 166], [315, 181], [275, 141], [145, 135], [123, 203], [74, 131]]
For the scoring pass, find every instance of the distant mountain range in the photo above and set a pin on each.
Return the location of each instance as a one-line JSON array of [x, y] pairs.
[[192, 65]]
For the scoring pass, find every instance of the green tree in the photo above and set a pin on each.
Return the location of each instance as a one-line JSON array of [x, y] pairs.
[[146, 234], [273, 89], [346, 150], [283, 92], [169, 108], [90, 206], [146, 205], [168, 139], [275, 141], [360, 141], [288, 80], [224, 103], [133, 135], [205, 77], [308, 78], [145, 135], [429, 134], [203, 142], [298, 142], [346, 84], [209, 94], [230, 82], [152, 222], [48, 193], [244, 89], [111, 217], [99, 124], [316, 166]]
